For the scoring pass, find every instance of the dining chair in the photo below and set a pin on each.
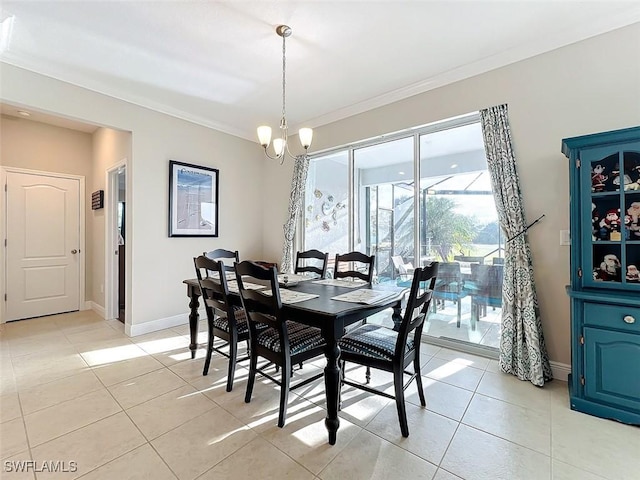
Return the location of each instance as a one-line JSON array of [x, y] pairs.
[[225, 320], [449, 286], [485, 289], [283, 342], [380, 347], [224, 255], [312, 261], [354, 265]]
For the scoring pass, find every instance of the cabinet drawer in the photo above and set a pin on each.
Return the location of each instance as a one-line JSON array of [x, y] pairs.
[[621, 317]]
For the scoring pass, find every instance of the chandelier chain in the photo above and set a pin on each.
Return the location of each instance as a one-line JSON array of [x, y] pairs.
[[284, 82]]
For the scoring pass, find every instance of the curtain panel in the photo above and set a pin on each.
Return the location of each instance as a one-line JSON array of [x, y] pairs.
[[296, 197], [522, 349]]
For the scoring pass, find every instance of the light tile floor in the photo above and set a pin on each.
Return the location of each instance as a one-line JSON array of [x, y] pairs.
[[74, 388]]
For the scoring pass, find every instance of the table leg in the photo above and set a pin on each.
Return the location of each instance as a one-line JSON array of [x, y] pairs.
[[193, 320], [397, 316], [332, 389]]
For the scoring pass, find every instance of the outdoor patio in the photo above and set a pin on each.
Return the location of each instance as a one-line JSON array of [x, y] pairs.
[[442, 324]]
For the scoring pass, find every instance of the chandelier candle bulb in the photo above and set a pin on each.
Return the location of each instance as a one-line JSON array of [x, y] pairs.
[[306, 135], [278, 146], [264, 135]]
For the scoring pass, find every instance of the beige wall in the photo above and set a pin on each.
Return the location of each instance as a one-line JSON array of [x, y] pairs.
[[587, 87], [109, 148], [38, 146], [158, 264]]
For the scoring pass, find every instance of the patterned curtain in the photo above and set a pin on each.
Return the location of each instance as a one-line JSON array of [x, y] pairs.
[[298, 182], [522, 349]]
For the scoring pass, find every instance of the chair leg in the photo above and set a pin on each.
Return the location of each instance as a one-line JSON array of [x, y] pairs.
[[207, 360], [459, 312], [399, 393], [475, 311], [284, 392], [233, 354], [416, 368], [253, 364], [367, 375]]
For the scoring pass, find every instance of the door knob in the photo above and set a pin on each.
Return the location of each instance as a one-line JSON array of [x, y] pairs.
[[629, 319], [74, 251]]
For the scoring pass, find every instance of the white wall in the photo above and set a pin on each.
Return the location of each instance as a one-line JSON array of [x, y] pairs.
[[158, 263], [587, 87]]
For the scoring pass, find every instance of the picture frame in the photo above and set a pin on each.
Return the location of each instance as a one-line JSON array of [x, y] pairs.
[[193, 200]]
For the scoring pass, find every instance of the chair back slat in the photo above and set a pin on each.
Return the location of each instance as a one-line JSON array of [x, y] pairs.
[[312, 261], [221, 254], [354, 265], [422, 286], [261, 308], [214, 289]]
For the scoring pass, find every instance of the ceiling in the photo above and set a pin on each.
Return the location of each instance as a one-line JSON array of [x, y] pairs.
[[219, 63]]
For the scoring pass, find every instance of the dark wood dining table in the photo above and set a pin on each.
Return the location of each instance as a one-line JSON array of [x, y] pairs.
[[330, 316]]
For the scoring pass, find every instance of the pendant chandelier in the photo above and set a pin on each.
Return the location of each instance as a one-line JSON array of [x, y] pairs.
[[281, 145]]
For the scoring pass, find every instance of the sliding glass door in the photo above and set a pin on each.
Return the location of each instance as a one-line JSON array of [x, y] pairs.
[[366, 198], [384, 191], [459, 228]]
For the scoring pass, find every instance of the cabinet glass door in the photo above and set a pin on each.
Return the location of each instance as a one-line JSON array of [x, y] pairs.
[[611, 228]]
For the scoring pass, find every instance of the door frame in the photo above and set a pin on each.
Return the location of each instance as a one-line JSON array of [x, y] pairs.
[[111, 240], [4, 171]]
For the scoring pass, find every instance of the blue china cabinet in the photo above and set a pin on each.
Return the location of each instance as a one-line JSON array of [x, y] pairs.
[[605, 277]]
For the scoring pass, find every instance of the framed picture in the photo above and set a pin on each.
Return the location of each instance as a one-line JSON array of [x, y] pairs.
[[193, 200]]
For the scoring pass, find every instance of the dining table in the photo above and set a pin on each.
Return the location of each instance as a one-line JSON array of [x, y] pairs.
[[331, 316]]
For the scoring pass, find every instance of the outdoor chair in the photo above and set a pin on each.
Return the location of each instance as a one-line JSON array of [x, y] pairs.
[[485, 289], [449, 286]]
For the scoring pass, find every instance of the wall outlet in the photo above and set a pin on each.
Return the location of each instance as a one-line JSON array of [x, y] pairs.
[[565, 237], [102, 288]]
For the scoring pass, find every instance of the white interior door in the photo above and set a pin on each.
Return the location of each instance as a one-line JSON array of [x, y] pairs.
[[43, 245]]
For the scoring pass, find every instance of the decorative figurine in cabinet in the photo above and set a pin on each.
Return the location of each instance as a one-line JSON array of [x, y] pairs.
[[605, 273]]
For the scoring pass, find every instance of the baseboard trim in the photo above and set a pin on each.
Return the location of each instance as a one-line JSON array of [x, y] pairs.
[[87, 305], [99, 309], [159, 324], [560, 371]]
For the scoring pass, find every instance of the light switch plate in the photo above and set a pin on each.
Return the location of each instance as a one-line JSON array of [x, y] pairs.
[[565, 237]]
